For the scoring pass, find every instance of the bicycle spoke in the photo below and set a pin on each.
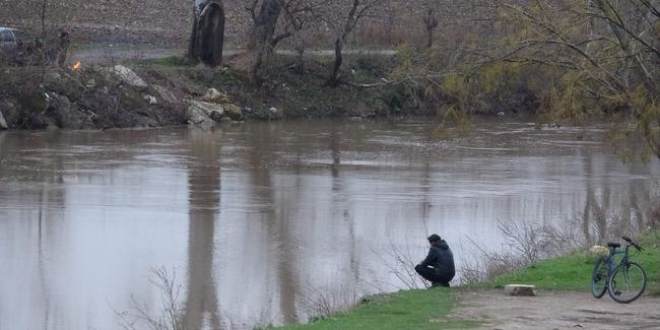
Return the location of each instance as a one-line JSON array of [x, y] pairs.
[[627, 282]]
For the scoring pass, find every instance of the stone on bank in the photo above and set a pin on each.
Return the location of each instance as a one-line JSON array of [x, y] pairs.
[[520, 290], [128, 76], [204, 113], [216, 96]]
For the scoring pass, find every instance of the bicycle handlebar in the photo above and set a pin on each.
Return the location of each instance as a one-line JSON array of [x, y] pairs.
[[627, 239]]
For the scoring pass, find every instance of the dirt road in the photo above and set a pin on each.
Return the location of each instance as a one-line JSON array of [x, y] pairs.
[[106, 55], [556, 310], [111, 54]]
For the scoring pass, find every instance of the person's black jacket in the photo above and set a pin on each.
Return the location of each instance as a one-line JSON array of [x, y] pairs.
[[441, 259]]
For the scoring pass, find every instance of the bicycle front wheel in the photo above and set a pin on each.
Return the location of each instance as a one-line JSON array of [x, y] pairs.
[[627, 282], [599, 278]]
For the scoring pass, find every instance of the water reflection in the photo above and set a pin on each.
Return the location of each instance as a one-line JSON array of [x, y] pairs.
[[273, 215], [266, 220], [34, 230], [204, 191]]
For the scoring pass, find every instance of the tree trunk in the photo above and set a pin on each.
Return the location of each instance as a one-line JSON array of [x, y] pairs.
[[261, 37], [429, 36], [430, 23], [207, 38], [351, 22], [333, 81]]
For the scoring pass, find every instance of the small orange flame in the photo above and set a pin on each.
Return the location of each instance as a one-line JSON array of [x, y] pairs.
[[76, 66]]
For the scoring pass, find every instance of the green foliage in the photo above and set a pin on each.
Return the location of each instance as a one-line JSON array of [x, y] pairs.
[[400, 99], [604, 60], [499, 87], [416, 309], [323, 60], [566, 61]]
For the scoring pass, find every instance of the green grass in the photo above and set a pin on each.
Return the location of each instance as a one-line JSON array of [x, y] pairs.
[[573, 271], [416, 309], [171, 61]]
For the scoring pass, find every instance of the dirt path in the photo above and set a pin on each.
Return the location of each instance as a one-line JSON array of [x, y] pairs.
[[111, 55], [556, 310], [106, 55]]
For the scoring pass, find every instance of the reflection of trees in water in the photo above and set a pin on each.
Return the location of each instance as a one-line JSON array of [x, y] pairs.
[[204, 199], [340, 204], [606, 217], [41, 200], [426, 192], [275, 216], [639, 195], [594, 212]]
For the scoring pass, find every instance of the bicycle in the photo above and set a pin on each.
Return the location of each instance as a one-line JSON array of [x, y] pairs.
[[625, 281]]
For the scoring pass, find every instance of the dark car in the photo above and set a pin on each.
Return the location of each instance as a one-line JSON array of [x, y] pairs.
[[16, 46]]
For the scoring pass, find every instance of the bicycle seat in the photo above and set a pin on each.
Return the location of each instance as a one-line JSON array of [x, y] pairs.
[[613, 245]]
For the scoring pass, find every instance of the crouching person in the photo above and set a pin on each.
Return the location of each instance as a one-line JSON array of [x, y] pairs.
[[438, 267]]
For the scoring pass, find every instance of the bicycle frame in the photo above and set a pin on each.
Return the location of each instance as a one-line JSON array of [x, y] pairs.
[[610, 260]]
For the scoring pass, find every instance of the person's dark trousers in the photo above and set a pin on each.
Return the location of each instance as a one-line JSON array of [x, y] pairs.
[[430, 275]]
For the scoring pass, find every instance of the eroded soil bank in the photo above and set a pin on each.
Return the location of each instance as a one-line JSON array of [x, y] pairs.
[[98, 97]]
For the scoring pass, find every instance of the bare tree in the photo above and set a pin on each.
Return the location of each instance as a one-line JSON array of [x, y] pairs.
[[274, 21], [263, 30], [171, 318], [357, 10], [430, 24]]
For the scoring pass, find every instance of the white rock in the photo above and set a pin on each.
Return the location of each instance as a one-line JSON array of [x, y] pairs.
[[151, 99], [197, 117], [128, 76], [165, 94], [211, 111], [216, 96]]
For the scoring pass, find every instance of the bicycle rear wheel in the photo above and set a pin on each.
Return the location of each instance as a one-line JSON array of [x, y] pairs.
[[627, 283], [599, 278]]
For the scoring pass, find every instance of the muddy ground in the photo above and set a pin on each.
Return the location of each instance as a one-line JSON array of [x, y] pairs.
[[556, 310]]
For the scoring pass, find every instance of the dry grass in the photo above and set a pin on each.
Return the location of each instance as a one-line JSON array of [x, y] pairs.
[[172, 310]]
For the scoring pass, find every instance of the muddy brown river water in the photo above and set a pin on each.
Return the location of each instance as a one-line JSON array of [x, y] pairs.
[[258, 223]]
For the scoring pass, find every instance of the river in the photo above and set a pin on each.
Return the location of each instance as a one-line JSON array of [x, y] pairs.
[[274, 222]]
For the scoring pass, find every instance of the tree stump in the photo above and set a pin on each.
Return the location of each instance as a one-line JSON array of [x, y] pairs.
[[520, 290], [208, 32]]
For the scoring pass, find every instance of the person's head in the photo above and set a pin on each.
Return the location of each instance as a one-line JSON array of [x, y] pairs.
[[434, 239]]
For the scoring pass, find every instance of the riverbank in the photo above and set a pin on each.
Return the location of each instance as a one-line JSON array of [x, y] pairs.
[[414, 309], [141, 93], [562, 282]]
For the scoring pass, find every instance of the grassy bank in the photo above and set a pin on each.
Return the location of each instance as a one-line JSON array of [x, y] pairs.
[[573, 271], [415, 309], [428, 309], [297, 89]]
